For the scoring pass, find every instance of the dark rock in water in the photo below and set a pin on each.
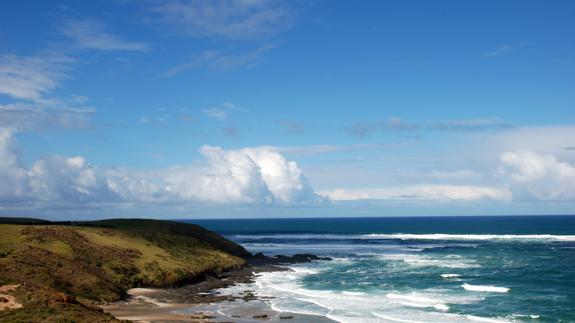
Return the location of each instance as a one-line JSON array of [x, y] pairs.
[[286, 317], [308, 257], [259, 255], [202, 316], [260, 259]]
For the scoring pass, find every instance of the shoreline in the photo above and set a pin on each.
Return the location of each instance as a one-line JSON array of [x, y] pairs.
[[203, 301]]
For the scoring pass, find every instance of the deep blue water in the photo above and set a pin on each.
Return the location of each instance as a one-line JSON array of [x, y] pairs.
[[419, 269]]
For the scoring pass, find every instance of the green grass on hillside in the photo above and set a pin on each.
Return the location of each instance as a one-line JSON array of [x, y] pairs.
[[98, 261]]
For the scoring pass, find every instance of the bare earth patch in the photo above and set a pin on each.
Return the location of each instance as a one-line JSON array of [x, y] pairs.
[[8, 301]]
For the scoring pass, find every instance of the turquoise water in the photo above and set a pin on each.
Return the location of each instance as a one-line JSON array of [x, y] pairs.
[[427, 269]]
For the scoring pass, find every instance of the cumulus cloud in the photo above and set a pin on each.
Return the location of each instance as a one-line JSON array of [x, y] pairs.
[[539, 176], [12, 175], [431, 192], [68, 179], [225, 18], [54, 179], [242, 176], [91, 34], [249, 175]]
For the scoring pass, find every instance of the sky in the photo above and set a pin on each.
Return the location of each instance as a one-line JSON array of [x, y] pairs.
[[261, 108]]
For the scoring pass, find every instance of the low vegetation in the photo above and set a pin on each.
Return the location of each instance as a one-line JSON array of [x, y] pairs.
[[64, 269]]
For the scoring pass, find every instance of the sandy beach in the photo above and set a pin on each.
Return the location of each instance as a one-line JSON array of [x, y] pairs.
[[211, 300], [141, 306]]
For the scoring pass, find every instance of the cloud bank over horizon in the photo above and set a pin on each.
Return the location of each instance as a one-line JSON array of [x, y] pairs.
[[254, 176]]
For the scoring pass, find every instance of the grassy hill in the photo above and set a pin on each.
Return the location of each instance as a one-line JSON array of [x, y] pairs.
[[63, 269]]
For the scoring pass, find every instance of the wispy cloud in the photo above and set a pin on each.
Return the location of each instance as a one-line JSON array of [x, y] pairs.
[[216, 113], [321, 149], [472, 125], [220, 61], [221, 113], [91, 34], [233, 19], [31, 77], [421, 192], [231, 131], [504, 49], [291, 127], [185, 117], [363, 129], [29, 82], [26, 116]]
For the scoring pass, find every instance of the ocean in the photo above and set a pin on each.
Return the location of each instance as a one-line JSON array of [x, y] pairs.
[[417, 269]]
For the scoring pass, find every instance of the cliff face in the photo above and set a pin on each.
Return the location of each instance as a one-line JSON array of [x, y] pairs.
[[78, 264]]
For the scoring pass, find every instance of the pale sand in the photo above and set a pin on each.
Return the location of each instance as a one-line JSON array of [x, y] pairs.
[[142, 307]]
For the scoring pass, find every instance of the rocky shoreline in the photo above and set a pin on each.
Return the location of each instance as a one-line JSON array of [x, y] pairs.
[[195, 302]]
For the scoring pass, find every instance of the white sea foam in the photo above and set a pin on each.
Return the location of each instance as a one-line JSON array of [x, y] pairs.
[[431, 317], [305, 270], [485, 319], [418, 260], [287, 293], [480, 288], [450, 275], [417, 301], [532, 316], [407, 236], [440, 236]]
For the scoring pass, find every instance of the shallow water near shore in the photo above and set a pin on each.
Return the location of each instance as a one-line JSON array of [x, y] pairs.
[[449, 269]]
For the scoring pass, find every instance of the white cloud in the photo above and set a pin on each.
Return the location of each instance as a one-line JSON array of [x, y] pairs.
[[13, 177], [539, 176], [91, 34], [249, 175], [255, 176], [225, 18], [70, 179], [430, 192]]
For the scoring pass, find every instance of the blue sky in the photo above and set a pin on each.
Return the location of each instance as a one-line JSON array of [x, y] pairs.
[[267, 108]]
